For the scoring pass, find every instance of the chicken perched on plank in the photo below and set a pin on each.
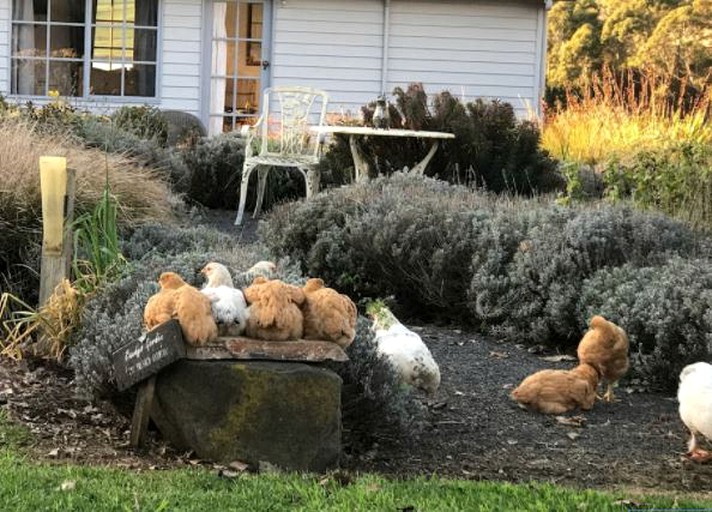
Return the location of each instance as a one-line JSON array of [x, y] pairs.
[[558, 391], [179, 300], [274, 310], [605, 347], [161, 306], [695, 397], [228, 304], [404, 349], [328, 314]]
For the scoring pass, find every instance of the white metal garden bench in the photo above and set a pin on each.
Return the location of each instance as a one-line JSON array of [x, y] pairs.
[[282, 138]]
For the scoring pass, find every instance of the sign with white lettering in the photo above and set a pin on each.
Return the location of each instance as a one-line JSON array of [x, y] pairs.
[[152, 352]]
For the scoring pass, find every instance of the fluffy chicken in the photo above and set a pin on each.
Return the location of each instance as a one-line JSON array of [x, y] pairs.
[[328, 314], [404, 349], [605, 347], [228, 305], [275, 312], [558, 391], [161, 306], [695, 397], [185, 303]]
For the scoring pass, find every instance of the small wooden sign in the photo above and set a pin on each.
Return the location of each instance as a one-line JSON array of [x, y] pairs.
[[152, 352]]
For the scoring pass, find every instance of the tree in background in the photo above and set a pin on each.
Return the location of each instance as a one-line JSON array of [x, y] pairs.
[[672, 38]]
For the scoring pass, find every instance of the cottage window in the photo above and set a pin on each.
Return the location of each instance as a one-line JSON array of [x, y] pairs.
[[84, 48]]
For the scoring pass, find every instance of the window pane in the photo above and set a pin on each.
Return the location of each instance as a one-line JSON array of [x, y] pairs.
[[28, 77], [146, 12], [29, 10], [105, 81], [108, 43], [141, 80], [67, 11], [66, 42], [29, 40], [65, 77], [144, 45]]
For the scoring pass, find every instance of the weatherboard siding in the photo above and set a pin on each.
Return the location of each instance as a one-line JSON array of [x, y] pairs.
[[472, 49], [335, 46]]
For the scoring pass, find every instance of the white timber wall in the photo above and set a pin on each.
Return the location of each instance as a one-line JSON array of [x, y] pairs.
[[179, 60], [181, 57], [472, 49], [5, 47], [335, 46]]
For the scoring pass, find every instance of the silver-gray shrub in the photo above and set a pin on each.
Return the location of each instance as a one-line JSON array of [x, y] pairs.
[[534, 297], [666, 310]]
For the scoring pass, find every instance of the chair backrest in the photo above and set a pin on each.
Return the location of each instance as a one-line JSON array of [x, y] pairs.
[[287, 114]]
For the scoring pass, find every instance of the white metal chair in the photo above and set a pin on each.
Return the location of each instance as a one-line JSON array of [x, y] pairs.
[[281, 138]]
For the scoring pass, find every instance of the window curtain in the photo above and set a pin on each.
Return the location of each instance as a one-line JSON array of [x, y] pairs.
[[145, 45], [218, 69], [26, 39]]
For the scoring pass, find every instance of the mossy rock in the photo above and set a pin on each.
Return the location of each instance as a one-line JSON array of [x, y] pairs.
[[284, 413]]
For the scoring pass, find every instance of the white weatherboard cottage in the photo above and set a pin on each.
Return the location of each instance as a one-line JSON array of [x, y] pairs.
[[213, 57]]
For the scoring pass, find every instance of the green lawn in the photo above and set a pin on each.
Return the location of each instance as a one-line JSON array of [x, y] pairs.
[[26, 485]]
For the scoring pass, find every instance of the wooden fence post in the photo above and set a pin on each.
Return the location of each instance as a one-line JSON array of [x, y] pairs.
[[57, 184]]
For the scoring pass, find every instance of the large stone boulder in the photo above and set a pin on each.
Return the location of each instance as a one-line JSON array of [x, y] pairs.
[[284, 413]]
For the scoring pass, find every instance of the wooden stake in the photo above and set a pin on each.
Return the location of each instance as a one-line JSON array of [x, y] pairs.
[[142, 412], [56, 246]]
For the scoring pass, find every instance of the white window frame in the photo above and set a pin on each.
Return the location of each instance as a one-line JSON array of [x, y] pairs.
[[87, 60]]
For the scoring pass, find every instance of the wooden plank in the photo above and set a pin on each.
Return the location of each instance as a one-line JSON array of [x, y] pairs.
[[252, 349], [142, 411], [53, 183], [152, 352]]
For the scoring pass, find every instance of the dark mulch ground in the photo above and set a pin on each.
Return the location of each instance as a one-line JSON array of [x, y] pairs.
[[472, 428]]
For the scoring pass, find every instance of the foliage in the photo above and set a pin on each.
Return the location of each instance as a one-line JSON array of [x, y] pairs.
[[97, 258], [512, 267], [141, 193], [668, 37], [215, 168], [611, 119], [675, 179], [665, 310], [143, 121], [491, 149]]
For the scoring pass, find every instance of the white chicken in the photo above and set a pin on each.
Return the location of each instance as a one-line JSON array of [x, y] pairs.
[[695, 397], [404, 349], [229, 307]]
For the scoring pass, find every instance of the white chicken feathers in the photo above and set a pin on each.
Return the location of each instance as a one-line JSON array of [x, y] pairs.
[[695, 397], [406, 352], [229, 307]]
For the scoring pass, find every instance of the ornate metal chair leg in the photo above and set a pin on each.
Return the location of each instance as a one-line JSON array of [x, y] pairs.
[[245, 180], [261, 185]]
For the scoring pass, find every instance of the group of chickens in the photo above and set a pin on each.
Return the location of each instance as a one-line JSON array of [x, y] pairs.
[[603, 355], [268, 309]]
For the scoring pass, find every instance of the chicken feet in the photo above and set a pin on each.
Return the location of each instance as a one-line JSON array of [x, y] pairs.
[[695, 453]]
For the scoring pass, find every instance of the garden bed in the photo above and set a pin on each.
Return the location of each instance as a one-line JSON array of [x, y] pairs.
[[473, 430]]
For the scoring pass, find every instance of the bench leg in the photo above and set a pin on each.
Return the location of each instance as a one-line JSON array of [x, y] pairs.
[[420, 167]]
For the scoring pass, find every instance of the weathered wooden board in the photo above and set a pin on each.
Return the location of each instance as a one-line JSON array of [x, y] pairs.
[[249, 348], [142, 412], [146, 356]]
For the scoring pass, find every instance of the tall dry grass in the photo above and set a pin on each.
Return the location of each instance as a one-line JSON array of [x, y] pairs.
[[614, 118], [141, 193]]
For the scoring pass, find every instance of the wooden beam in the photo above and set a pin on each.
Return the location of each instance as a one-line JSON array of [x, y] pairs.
[[142, 412]]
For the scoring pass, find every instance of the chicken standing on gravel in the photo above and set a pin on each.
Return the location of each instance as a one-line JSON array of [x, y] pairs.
[[605, 347], [404, 349], [558, 391], [229, 308], [695, 397]]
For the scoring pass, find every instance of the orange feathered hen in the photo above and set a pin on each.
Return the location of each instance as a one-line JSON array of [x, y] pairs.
[[328, 314], [558, 391], [179, 300], [605, 347], [274, 310]]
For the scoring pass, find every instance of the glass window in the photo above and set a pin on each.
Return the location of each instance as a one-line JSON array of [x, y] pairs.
[[50, 39]]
